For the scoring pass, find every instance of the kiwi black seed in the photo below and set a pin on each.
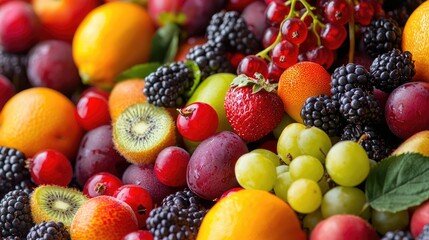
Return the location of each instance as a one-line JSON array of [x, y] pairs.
[[55, 203], [141, 131]]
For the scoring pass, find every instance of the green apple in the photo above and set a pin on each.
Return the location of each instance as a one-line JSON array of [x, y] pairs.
[[212, 91]]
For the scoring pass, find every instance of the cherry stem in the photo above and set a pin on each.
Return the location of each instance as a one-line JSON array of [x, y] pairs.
[[352, 41], [186, 112]]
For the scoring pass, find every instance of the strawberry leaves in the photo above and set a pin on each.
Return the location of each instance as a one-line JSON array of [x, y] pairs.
[[258, 83]]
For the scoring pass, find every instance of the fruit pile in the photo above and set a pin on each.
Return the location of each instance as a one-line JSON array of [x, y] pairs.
[[223, 119]]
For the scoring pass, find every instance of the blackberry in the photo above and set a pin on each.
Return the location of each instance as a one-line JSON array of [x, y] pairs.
[[349, 76], [381, 36], [323, 112], [397, 235], [14, 67], [168, 85], [174, 223], [230, 30], [183, 200], [359, 107], [424, 234], [210, 58], [391, 69], [15, 214], [48, 231], [13, 172], [376, 145]]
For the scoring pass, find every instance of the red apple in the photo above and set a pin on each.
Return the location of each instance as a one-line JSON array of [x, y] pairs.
[[344, 227], [7, 90], [406, 108], [419, 219]]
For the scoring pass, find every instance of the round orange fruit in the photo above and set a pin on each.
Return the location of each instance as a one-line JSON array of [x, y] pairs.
[[40, 118], [415, 39], [251, 214], [299, 82]]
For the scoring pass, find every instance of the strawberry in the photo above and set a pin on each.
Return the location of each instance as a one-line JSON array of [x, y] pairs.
[[252, 107]]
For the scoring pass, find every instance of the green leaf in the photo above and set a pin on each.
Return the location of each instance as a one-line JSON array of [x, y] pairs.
[[138, 71], [165, 43], [398, 182], [197, 77]]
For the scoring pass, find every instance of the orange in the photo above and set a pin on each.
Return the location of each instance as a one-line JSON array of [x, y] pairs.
[[251, 214], [299, 82], [415, 39], [40, 118], [125, 94], [112, 38], [103, 217]]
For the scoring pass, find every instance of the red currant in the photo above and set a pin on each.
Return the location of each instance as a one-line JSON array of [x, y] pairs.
[[333, 35], [294, 30], [274, 72], [252, 64], [236, 58], [309, 42], [363, 13], [170, 166], [269, 36], [338, 11], [92, 111], [139, 235], [51, 167], [276, 12], [197, 121], [320, 55], [139, 200], [285, 54], [102, 183], [237, 5]]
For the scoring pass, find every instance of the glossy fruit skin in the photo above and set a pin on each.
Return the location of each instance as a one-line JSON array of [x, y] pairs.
[[231, 191], [51, 64], [92, 111], [60, 19], [7, 90], [139, 235], [101, 183], [197, 121], [170, 166], [51, 167], [404, 109], [138, 199], [19, 26], [252, 64], [252, 14], [419, 219], [252, 115]]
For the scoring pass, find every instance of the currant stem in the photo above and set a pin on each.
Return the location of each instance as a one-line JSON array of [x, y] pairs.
[[352, 41]]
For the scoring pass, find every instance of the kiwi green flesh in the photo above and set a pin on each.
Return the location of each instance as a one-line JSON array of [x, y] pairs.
[[142, 126]]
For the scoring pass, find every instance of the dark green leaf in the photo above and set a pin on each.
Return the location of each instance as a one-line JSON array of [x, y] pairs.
[[138, 71], [197, 76], [165, 43], [398, 182]]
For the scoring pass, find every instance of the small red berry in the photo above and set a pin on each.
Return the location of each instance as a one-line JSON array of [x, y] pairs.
[[139, 235], [51, 167], [139, 200], [252, 64], [95, 90], [171, 166], [102, 183], [197, 121], [92, 110]]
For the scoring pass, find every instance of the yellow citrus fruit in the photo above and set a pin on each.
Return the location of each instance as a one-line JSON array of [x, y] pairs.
[[415, 39], [125, 94], [251, 214], [40, 118], [299, 82], [110, 39]]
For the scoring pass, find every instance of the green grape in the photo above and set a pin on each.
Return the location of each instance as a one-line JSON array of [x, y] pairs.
[[389, 221], [269, 154], [306, 166], [282, 185], [343, 200], [324, 185], [304, 195], [347, 163], [312, 219], [282, 169], [286, 120], [255, 171], [296, 139]]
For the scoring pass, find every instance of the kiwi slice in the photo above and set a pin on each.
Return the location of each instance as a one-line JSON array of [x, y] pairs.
[[141, 131], [55, 203]]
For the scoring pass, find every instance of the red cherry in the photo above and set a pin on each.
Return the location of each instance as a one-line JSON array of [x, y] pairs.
[[92, 110], [139, 235], [95, 90], [51, 167], [171, 166], [102, 183], [252, 64], [139, 200], [197, 121]]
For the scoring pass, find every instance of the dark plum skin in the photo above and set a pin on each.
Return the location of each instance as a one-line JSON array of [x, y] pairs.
[[253, 14], [210, 170], [7, 90], [406, 109], [97, 154], [144, 176]]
